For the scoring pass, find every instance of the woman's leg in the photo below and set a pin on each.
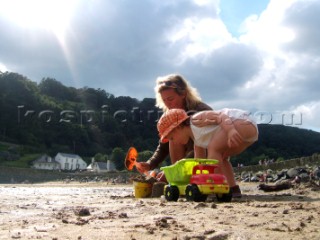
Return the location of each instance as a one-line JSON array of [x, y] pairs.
[[218, 147], [228, 172]]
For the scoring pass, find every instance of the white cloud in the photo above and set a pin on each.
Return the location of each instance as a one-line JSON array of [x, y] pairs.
[[270, 35], [310, 113], [206, 2], [123, 46], [283, 75], [199, 36], [3, 68]]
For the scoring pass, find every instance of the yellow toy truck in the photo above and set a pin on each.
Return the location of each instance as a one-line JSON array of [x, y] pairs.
[[195, 179]]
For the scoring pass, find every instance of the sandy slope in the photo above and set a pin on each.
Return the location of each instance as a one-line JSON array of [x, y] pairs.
[[101, 211]]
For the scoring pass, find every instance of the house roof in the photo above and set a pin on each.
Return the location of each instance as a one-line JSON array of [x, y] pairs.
[[69, 155], [102, 165], [45, 159]]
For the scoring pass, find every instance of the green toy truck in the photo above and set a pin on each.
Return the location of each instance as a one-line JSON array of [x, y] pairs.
[[195, 179]]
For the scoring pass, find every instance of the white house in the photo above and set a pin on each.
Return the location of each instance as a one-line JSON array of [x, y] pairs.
[[111, 166], [45, 162], [101, 166], [70, 162]]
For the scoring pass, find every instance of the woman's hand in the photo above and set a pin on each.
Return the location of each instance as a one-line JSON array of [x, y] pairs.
[[161, 177], [205, 118], [142, 167]]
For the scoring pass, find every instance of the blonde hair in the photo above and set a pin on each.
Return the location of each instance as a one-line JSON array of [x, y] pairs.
[[181, 86]]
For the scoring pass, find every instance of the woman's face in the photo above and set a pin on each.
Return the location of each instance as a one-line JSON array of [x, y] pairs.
[[172, 99]]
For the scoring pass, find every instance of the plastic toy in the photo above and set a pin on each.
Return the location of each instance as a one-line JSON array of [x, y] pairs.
[[195, 179], [131, 158]]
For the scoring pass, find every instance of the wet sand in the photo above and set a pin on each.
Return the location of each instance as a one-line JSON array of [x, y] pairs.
[[59, 210]]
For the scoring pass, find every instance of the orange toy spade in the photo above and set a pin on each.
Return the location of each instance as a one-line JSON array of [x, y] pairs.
[[131, 158], [131, 161]]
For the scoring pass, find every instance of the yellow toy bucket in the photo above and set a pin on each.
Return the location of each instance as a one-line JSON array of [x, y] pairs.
[[142, 189]]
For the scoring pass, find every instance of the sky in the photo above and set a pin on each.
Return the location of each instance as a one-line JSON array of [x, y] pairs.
[[261, 56]]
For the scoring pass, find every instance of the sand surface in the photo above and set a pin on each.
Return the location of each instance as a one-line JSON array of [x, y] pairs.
[[59, 211]]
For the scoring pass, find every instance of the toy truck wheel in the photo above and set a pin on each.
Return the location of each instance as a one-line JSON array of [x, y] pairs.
[[193, 194], [171, 193], [226, 197]]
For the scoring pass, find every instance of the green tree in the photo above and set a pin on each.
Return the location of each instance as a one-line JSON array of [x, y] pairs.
[[99, 157], [145, 155], [53, 88], [94, 98], [118, 156], [101, 123]]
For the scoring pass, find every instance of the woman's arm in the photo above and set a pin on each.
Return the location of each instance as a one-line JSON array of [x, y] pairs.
[[159, 155]]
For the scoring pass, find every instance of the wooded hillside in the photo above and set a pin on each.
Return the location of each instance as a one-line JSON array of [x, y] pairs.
[[49, 117]]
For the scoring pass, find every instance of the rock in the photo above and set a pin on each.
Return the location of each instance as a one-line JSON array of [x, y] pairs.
[[292, 173], [201, 205], [82, 211], [162, 223], [281, 174], [316, 173], [254, 179], [123, 215], [278, 187], [158, 189], [16, 235], [304, 177]]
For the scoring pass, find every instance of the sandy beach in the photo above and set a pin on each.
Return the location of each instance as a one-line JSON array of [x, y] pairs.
[[60, 210]]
